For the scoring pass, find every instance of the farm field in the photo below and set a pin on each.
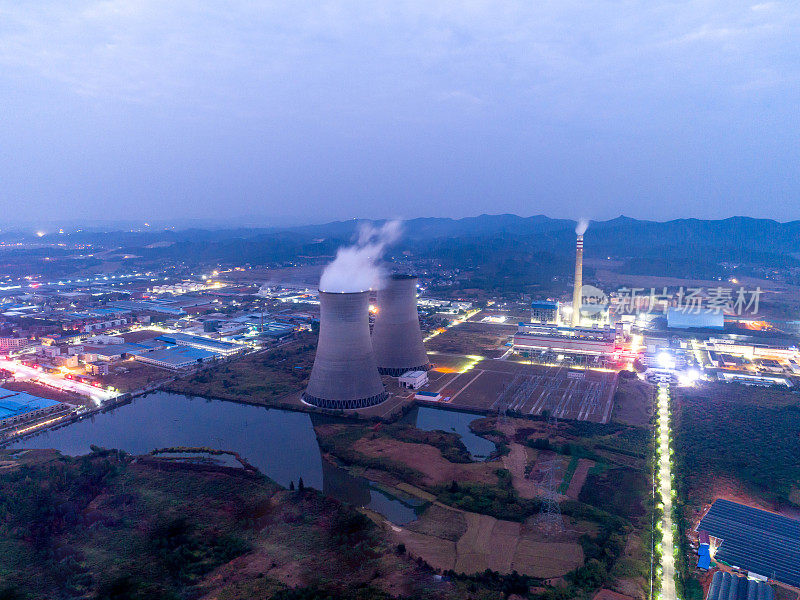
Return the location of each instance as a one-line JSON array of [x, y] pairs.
[[485, 339], [484, 515], [259, 378]]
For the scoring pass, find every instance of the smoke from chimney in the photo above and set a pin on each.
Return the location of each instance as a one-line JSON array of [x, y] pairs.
[[357, 268], [582, 226]]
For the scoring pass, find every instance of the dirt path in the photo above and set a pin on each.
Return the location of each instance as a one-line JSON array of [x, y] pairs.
[[515, 461], [579, 478]]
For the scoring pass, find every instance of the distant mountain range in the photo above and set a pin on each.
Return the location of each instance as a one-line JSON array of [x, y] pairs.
[[685, 247]]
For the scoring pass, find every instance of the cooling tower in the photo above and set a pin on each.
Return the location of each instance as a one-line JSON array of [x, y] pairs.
[[344, 375], [576, 292], [396, 337]]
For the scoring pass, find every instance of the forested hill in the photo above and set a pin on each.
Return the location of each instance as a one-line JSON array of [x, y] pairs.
[[683, 247]]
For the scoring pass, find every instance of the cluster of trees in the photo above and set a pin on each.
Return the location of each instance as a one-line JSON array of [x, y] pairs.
[[757, 445], [500, 501], [59, 541]]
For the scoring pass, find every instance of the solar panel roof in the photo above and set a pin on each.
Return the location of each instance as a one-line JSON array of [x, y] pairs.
[[755, 540], [725, 586]]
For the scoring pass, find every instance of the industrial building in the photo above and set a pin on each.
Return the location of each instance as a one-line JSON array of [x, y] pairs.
[[396, 336], [11, 344], [545, 313], [577, 340], [17, 408], [413, 380], [177, 357], [685, 319], [764, 544], [345, 372], [725, 586], [201, 342], [752, 350]]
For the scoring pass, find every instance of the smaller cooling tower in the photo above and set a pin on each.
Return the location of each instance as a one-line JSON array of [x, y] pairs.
[[344, 375], [396, 337]]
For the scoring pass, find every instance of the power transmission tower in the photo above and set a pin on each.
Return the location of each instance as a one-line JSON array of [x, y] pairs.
[[549, 519]]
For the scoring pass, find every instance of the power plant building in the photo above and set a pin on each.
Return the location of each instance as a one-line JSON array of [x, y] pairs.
[[396, 336], [345, 373], [544, 312], [574, 340], [706, 319]]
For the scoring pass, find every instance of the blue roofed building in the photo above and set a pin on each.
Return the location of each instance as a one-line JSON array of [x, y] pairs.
[[17, 408], [544, 312], [704, 557], [177, 357], [202, 342]]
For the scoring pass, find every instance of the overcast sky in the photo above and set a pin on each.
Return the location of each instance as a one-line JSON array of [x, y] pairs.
[[312, 111]]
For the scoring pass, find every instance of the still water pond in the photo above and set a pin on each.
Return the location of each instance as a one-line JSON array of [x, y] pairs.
[[439, 419], [281, 444]]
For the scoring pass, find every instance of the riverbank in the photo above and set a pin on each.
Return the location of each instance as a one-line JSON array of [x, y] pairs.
[[114, 525]]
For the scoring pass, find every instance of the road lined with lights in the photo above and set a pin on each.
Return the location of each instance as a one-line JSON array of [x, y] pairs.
[[668, 591], [98, 395], [436, 332]]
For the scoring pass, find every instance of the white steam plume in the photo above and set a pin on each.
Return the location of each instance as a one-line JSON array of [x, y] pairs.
[[582, 226], [357, 268]]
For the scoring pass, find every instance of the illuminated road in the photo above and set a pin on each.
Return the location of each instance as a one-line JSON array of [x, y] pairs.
[[98, 395], [468, 316], [665, 487]]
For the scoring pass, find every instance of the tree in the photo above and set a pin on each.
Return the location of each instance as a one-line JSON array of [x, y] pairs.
[[300, 485]]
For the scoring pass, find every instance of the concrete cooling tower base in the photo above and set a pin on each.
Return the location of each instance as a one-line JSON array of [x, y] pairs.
[[345, 375], [344, 404]]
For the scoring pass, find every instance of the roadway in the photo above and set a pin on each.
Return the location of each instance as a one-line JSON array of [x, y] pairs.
[[24, 372], [668, 591]]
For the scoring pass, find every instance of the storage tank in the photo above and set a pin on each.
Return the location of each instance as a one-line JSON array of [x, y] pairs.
[[344, 375], [396, 336]]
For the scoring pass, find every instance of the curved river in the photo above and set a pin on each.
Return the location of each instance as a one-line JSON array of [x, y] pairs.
[[281, 444]]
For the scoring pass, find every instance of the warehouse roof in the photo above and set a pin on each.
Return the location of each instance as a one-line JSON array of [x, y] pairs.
[[725, 586], [179, 355], [755, 540], [197, 340], [14, 403]]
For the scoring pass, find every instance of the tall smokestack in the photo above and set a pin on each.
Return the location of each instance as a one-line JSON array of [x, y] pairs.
[[576, 292], [344, 375], [396, 336]]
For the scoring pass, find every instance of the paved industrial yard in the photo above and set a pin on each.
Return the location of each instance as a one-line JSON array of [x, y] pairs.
[[528, 389]]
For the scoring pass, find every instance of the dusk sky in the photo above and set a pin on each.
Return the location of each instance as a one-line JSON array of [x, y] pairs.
[[291, 112]]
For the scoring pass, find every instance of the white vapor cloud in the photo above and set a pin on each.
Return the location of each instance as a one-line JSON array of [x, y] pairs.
[[357, 268]]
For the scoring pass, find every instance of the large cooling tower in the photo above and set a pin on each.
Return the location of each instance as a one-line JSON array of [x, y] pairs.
[[396, 337], [344, 375]]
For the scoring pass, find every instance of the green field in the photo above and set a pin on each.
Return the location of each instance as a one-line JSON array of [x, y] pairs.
[[260, 378]]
